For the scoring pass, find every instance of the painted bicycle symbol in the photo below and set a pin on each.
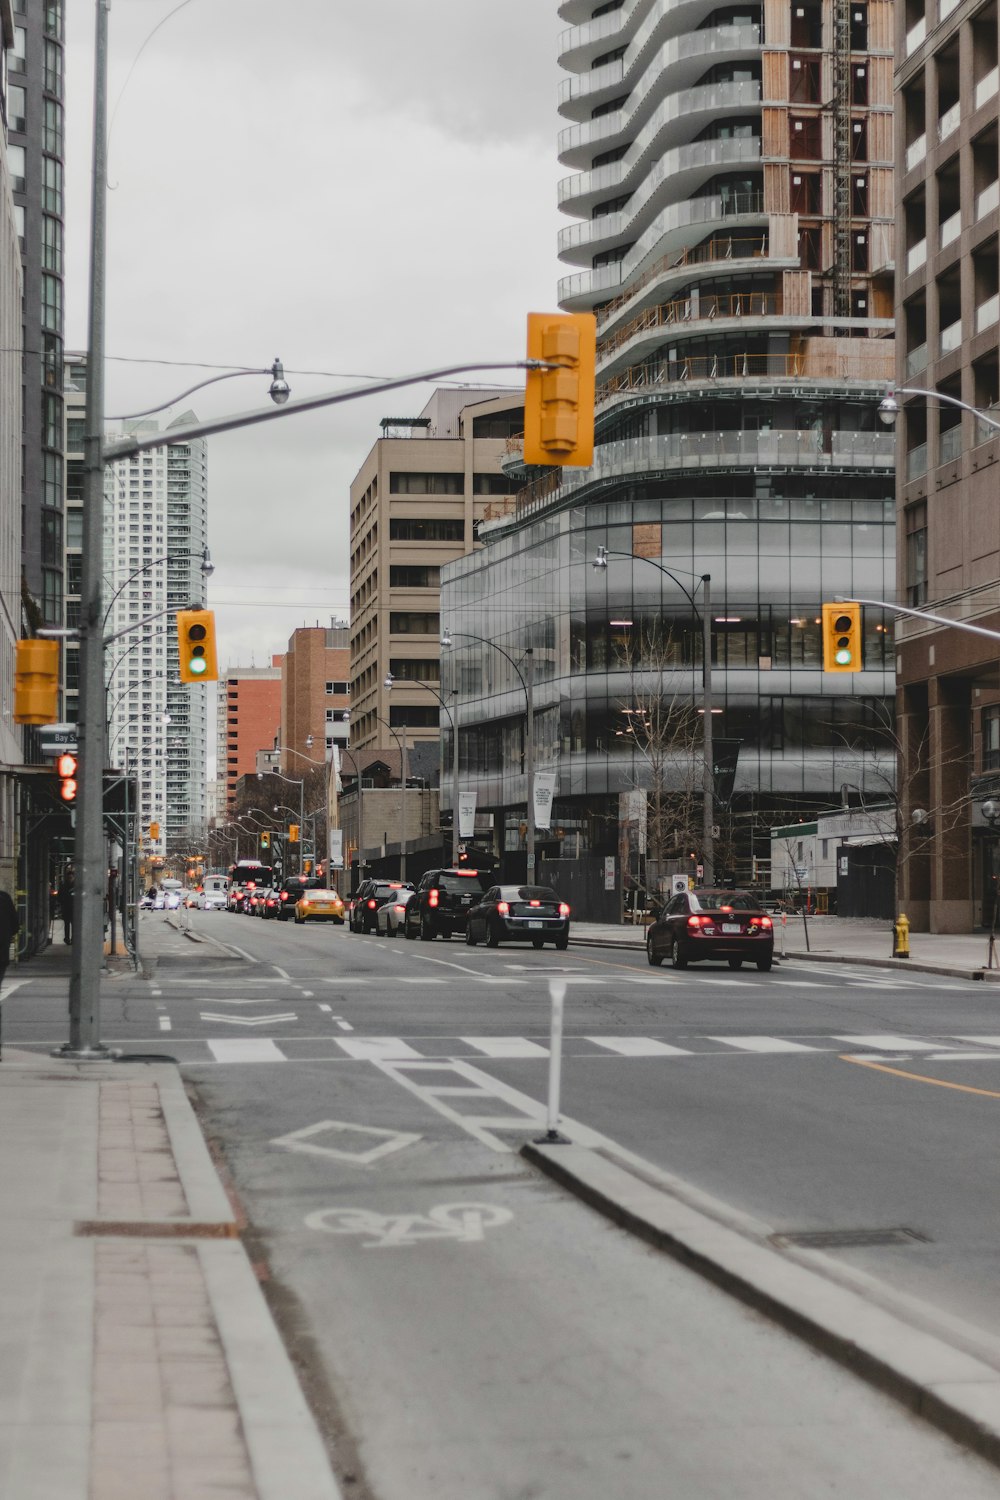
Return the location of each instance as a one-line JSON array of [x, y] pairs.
[[463, 1222]]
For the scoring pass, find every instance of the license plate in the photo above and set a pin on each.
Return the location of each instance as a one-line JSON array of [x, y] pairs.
[[534, 924], [730, 926]]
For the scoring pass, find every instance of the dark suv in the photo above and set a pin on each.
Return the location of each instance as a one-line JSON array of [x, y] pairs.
[[290, 892], [442, 903], [371, 895]]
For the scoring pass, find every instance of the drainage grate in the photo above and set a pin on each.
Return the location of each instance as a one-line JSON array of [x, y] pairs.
[[172, 1229], [849, 1239]]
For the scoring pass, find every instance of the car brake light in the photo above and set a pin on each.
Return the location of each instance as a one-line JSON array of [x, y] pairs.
[[696, 921], [563, 909], [503, 908], [284, 895], [371, 904], [432, 897], [534, 903], [762, 922], [397, 907]]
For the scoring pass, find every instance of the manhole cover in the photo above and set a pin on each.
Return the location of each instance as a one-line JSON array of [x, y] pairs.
[[849, 1239]]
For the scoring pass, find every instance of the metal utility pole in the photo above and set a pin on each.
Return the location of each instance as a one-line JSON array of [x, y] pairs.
[[88, 915], [456, 835], [529, 757], [708, 765], [402, 806]]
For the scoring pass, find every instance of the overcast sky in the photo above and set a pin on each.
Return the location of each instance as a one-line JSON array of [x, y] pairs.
[[361, 187]]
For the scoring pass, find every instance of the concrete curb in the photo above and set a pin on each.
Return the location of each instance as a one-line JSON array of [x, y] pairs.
[[942, 1382]]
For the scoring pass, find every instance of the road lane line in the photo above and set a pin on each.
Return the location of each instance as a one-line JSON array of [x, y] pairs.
[[763, 1044], [888, 1043], [940, 1083]]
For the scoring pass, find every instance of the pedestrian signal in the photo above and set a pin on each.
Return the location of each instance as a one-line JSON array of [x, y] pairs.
[[66, 771], [36, 682], [196, 651], [842, 637]]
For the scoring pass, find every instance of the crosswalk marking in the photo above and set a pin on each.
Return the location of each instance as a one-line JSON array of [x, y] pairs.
[[763, 1044], [889, 1043], [246, 1050], [983, 1041], [417, 979], [505, 1046], [637, 1046], [377, 1048]]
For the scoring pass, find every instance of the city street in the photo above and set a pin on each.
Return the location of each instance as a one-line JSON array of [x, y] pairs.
[[455, 1313]]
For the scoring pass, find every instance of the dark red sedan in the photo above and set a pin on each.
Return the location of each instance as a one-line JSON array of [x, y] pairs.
[[710, 924]]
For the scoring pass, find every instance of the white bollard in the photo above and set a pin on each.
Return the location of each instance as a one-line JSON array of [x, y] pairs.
[[784, 924], [557, 992]]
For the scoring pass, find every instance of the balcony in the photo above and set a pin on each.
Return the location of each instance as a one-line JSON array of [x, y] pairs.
[[916, 461], [987, 86], [950, 444], [915, 152], [916, 256], [951, 337], [988, 313], [916, 36], [949, 121], [916, 360], [987, 200], [951, 228]]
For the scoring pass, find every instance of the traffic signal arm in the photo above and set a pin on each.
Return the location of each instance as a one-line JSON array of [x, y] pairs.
[[559, 402], [842, 637], [36, 682], [197, 656]]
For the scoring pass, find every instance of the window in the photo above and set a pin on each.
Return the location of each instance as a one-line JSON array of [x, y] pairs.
[[52, 596], [15, 108], [74, 432], [52, 76], [426, 484], [52, 538], [52, 244], [426, 531], [409, 577], [991, 738], [916, 554], [494, 484], [52, 131], [499, 425], [406, 622], [52, 185], [415, 669], [15, 165], [340, 689]]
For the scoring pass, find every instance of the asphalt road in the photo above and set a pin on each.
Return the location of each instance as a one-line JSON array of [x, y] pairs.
[[475, 1331]]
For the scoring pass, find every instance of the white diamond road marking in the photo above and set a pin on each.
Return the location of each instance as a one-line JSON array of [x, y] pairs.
[[387, 1141], [290, 1015], [377, 1048], [505, 1046], [246, 1050], [889, 1043], [763, 1044], [637, 1046]]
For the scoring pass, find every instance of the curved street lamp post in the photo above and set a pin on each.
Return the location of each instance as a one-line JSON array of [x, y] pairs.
[[708, 766], [390, 681]]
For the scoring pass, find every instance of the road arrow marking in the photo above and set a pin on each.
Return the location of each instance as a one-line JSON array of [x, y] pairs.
[[290, 1015]]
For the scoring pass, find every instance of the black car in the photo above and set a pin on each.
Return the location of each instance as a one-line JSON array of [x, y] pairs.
[[290, 891], [519, 914], [442, 903], [371, 895], [700, 924]]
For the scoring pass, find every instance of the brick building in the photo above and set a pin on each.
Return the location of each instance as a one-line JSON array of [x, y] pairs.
[[249, 710], [315, 695]]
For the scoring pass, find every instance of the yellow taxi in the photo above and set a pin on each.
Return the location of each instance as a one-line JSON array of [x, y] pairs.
[[317, 904]]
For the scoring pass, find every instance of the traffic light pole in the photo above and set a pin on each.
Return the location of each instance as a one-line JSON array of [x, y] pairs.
[[89, 894]]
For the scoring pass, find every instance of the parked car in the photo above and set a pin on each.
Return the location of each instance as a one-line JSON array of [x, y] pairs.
[[371, 895], [317, 904], [442, 904], [212, 900], [712, 924], [519, 914], [389, 917]]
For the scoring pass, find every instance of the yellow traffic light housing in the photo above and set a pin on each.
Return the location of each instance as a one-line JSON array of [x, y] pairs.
[[293, 833], [66, 771], [559, 403], [265, 840], [842, 638], [196, 645], [36, 682], [154, 830]]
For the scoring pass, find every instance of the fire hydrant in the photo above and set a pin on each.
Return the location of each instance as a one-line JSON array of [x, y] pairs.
[[901, 948]]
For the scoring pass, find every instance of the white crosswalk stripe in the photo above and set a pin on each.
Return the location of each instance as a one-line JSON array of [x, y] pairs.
[[637, 1046], [246, 1050], [763, 1044], [505, 1046], [377, 1048], [889, 1043]]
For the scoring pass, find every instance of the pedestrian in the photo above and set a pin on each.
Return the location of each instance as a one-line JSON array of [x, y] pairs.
[[66, 888], [9, 924]]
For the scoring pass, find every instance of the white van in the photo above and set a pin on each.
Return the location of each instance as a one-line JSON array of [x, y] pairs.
[[212, 896]]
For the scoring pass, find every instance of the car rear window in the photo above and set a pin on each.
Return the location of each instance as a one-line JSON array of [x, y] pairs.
[[530, 893], [458, 885], [717, 900]]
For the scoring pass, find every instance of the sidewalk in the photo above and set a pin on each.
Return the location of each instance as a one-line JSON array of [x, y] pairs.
[[138, 1357], [851, 940]]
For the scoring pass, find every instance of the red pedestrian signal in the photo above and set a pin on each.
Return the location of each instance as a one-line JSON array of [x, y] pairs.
[[66, 771]]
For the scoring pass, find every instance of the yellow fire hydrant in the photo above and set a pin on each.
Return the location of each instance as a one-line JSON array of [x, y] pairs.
[[901, 948]]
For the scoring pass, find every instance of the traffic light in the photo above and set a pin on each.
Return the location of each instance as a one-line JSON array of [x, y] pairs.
[[154, 830], [293, 833], [36, 682], [265, 840], [559, 403], [196, 645], [66, 771], [842, 638]]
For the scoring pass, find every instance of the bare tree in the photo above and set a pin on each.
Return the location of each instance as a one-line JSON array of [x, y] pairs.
[[661, 725]]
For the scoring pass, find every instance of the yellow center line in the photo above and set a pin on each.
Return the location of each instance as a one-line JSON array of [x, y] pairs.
[[963, 1088]]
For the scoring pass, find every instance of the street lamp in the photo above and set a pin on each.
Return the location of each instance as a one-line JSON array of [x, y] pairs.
[[527, 681], [708, 769], [888, 408], [346, 718], [279, 390], [300, 782], [453, 720]]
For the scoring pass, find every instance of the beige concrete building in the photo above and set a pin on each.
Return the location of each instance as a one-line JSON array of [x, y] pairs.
[[315, 695], [415, 505]]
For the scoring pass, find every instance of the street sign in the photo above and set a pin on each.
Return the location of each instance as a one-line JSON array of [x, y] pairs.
[[57, 738]]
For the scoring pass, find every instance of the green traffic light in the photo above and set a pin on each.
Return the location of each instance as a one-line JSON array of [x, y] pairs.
[[842, 656], [197, 665]]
